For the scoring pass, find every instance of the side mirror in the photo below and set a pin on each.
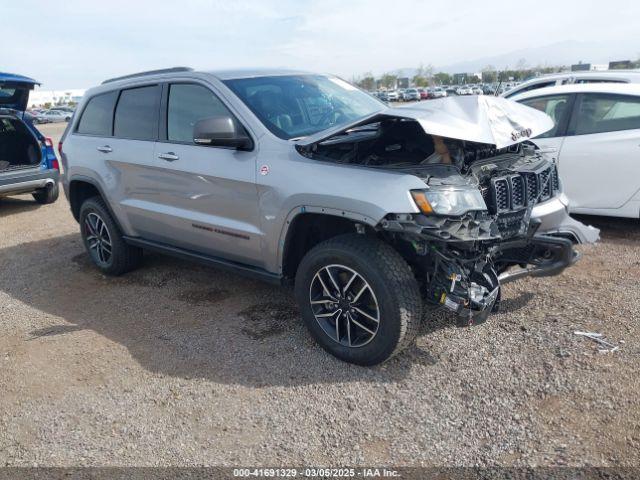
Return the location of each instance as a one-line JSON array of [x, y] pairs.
[[221, 131]]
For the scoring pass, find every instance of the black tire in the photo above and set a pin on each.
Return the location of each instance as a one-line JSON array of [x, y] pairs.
[[393, 287], [48, 194], [122, 257]]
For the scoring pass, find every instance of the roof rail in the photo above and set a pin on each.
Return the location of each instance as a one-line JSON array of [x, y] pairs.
[[150, 72]]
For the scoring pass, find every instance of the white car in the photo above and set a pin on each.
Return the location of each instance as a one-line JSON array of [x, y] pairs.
[[393, 96], [555, 79], [438, 92], [597, 140], [53, 116], [477, 90], [464, 90]]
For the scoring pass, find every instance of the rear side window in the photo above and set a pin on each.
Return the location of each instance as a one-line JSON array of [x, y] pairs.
[[598, 113], [189, 103], [553, 105], [535, 86], [97, 116], [137, 113]]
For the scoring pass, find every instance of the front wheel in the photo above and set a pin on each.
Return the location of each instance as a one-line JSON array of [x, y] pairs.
[[359, 299]]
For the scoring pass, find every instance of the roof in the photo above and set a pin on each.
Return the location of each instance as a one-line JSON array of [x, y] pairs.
[[13, 77], [620, 88], [254, 72]]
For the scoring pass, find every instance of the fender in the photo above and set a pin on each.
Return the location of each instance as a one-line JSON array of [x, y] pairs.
[[302, 209]]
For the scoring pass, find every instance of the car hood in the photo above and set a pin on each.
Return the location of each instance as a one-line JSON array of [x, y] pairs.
[[14, 91], [483, 119]]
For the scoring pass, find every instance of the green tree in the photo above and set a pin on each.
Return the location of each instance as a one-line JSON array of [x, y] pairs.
[[442, 78], [367, 82], [389, 80], [489, 74]]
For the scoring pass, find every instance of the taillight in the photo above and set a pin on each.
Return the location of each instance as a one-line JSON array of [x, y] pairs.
[[60, 147], [55, 165]]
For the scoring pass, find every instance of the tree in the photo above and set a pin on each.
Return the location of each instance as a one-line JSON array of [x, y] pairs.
[[367, 82], [442, 78], [388, 80], [489, 74]]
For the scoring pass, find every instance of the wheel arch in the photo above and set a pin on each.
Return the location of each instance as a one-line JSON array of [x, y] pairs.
[[305, 227], [82, 188]]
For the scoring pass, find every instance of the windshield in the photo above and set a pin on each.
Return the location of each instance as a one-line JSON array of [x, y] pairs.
[[299, 105]]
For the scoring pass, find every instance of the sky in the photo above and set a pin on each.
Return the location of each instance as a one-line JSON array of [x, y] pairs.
[[69, 44]]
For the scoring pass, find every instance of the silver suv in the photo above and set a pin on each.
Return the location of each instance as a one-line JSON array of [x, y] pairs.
[[376, 214]]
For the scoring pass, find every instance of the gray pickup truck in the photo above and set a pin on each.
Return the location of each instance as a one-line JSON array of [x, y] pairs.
[[375, 214]]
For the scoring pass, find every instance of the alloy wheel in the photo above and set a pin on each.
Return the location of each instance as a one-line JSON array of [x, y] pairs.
[[98, 238], [344, 305]]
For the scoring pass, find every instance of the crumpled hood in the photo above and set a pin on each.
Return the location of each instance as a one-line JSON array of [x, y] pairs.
[[478, 118]]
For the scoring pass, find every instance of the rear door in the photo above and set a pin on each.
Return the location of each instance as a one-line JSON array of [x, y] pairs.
[[208, 194], [600, 157], [130, 154], [114, 140]]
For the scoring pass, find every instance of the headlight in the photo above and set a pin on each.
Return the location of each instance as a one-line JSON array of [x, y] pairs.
[[448, 201]]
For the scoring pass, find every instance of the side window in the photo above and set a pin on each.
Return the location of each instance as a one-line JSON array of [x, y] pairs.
[[137, 113], [97, 117], [553, 105], [600, 112], [189, 103], [535, 86]]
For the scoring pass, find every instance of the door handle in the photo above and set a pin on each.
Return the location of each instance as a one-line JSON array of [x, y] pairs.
[[105, 149], [169, 156]]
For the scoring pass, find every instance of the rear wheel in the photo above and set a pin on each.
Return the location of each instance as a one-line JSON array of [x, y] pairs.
[[48, 194], [359, 299], [103, 240]]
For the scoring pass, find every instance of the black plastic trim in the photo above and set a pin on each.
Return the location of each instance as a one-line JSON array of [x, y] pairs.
[[241, 268]]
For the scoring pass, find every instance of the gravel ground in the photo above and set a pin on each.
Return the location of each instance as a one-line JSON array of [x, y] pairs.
[[176, 364]]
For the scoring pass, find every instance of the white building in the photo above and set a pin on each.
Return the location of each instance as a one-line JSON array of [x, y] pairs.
[[38, 97]]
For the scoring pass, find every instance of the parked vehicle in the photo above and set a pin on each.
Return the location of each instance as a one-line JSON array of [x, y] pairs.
[[451, 91], [392, 96], [53, 116], [438, 92], [401, 94], [477, 90], [28, 163], [411, 95], [567, 78], [302, 178], [597, 139], [464, 90], [68, 110], [424, 93]]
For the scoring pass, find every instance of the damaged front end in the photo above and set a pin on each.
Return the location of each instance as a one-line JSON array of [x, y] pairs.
[[475, 228], [474, 225]]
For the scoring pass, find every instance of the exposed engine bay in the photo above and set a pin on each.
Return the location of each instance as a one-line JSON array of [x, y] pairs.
[[475, 212]]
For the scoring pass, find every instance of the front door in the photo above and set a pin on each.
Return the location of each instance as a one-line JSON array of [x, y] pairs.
[[207, 195]]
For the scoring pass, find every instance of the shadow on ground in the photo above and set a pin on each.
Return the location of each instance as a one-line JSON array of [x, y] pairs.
[[180, 319], [183, 320], [13, 206]]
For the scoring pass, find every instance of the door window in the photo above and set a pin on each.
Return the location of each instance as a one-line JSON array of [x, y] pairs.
[[553, 105], [137, 113], [601, 112], [189, 103], [97, 117]]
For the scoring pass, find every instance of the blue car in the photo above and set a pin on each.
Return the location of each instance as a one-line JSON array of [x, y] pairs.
[[28, 162]]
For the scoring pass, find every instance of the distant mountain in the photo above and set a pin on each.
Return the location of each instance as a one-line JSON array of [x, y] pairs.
[[562, 53]]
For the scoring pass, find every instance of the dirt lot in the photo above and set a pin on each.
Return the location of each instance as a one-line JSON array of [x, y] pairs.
[[176, 364]]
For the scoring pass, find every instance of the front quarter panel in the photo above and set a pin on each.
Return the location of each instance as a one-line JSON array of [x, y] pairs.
[[290, 184]]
